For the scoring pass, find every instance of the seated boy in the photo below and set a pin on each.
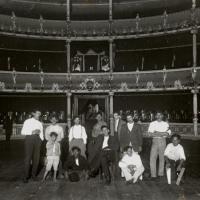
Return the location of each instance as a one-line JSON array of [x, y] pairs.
[[76, 166], [131, 165], [174, 156], [53, 155]]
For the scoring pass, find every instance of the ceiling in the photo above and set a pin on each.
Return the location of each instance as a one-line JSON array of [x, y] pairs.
[[91, 9]]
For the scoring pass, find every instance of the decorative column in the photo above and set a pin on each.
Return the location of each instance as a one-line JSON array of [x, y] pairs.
[[111, 55], [68, 49], [69, 94], [195, 91], [111, 94], [195, 111]]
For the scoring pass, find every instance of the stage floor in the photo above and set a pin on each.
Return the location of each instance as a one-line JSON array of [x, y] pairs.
[[12, 187]]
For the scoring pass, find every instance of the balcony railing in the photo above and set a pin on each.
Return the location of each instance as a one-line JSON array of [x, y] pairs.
[[180, 21], [176, 79]]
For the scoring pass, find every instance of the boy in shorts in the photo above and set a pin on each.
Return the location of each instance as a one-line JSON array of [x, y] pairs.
[[53, 155]]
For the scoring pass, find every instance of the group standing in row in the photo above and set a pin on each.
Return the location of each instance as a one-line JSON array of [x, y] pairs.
[[89, 156]]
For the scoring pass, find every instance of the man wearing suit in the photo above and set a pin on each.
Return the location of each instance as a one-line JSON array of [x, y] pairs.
[[131, 135], [105, 148], [118, 122]]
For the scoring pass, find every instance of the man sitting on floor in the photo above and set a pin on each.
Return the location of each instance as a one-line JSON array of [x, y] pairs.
[[174, 156], [76, 166], [131, 165]]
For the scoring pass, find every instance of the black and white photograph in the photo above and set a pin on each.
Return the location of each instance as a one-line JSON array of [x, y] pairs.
[[99, 99]]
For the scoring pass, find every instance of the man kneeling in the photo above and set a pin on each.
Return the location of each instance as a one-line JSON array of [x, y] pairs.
[[174, 158], [76, 166], [131, 165]]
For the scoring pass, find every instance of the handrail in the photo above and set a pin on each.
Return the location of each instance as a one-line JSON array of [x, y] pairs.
[[101, 73], [54, 29]]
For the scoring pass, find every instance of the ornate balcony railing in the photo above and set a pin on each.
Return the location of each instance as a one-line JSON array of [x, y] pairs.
[[99, 30], [176, 79]]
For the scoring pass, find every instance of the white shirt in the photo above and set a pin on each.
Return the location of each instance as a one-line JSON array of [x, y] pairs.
[[30, 125], [116, 124], [105, 142], [130, 126], [77, 161], [54, 128], [175, 152], [159, 126], [131, 160], [77, 132]]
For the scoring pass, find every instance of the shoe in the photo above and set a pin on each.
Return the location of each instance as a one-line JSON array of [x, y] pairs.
[[129, 182]]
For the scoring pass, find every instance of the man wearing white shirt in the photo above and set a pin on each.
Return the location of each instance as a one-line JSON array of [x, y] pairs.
[[131, 165], [174, 154], [54, 127], [158, 130], [78, 136], [33, 130]]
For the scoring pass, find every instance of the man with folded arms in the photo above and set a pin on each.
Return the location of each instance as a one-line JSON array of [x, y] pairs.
[[158, 130], [33, 130]]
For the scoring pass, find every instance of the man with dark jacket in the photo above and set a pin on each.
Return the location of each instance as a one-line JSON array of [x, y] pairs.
[[131, 135], [76, 166], [105, 148]]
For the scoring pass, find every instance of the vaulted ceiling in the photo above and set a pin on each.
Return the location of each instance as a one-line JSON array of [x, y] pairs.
[[91, 9]]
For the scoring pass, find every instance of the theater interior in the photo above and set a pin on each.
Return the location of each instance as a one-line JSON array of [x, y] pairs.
[[138, 56]]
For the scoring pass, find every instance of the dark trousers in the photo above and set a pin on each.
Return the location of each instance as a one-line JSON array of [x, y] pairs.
[[103, 160], [173, 165], [32, 153]]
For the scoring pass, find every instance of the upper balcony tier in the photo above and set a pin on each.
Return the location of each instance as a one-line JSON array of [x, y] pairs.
[[92, 10], [99, 30], [160, 80]]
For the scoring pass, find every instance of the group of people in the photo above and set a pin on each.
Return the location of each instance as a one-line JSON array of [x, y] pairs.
[[103, 153]]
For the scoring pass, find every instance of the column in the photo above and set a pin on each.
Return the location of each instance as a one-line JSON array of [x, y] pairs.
[[111, 94], [195, 111], [68, 48], [111, 55], [194, 72], [69, 94]]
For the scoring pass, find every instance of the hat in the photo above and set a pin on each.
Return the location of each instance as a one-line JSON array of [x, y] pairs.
[[74, 177]]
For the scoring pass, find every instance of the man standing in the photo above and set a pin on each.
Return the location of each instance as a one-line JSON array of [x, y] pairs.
[[54, 127], [131, 135], [118, 122], [158, 130], [33, 130], [8, 126]]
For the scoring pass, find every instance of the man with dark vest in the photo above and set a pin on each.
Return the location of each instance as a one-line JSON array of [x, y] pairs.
[[105, 148], [131, 135]]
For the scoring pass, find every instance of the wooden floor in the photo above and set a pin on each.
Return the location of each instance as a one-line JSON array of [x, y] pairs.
[[12, 187]]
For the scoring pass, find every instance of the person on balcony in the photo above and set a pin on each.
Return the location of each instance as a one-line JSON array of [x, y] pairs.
[[158, 130], [78, 136], [33, 130]]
